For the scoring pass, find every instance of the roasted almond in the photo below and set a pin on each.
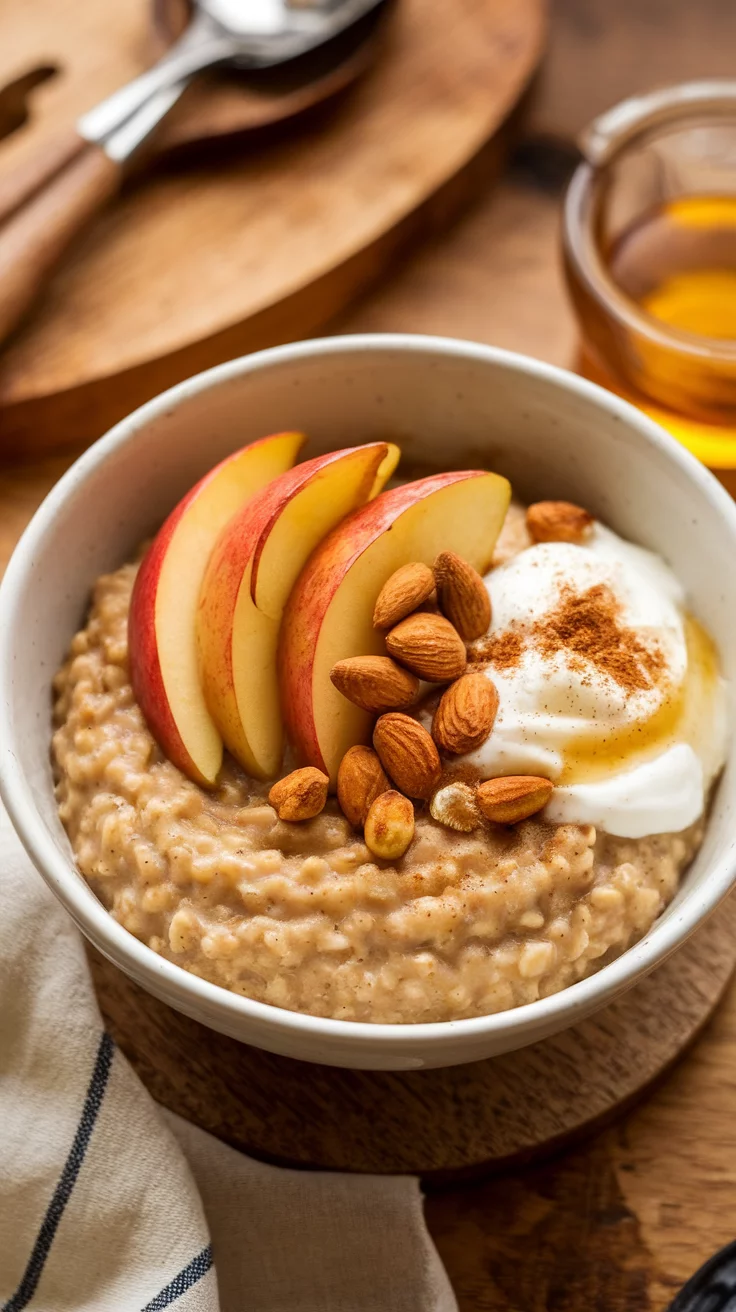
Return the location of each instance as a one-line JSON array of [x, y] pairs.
[[360, 780], [558, 521], [406, 589], [407, 754], [300, 795], [454, 806], [462, 595], [389, 826], [513, 797], [376, 683], [429, 646], [431, 606], [466, 714]]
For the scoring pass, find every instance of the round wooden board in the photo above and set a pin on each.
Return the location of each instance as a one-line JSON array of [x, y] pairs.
[[439, 1124], [193, 266]]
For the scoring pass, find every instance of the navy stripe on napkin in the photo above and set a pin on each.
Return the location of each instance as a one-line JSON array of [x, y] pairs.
[[198, 1267], [63, 1191]]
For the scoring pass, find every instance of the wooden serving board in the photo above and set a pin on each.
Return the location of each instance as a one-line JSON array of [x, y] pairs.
[[441, 1124], [195, 265]]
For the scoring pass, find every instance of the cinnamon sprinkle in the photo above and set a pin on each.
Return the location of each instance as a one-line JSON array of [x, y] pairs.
[[502, 650], [588, 627]]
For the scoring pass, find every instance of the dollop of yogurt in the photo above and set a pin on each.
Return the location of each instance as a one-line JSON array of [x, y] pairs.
[[606, 686]]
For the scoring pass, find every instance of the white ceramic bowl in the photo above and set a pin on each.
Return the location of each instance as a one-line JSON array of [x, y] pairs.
[[449, 403]]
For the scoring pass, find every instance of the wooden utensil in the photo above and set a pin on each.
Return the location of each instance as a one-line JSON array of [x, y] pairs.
[[43, 207], [278, 238]]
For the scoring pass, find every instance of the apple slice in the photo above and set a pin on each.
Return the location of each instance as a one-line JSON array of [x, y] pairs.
[[161, 626], [254, 565], [330, 612]]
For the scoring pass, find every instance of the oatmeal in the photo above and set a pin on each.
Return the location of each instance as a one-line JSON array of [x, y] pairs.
[[302, 916], [503, 726]]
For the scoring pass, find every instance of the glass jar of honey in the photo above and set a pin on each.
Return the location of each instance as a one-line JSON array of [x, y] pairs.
[[649, 249]]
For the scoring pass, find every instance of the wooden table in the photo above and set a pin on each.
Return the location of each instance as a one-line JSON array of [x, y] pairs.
[[620, 1223]]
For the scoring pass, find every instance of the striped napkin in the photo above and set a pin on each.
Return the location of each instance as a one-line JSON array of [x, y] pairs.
[[109, 1203]]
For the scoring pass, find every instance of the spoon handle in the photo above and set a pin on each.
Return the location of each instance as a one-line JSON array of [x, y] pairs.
[[18, 186], [36, 235], [200, 46], [43, 208]]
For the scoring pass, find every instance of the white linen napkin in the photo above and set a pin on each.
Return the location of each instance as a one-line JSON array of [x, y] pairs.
[[108, 1203]]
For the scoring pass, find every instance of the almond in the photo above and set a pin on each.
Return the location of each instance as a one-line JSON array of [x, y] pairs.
[[462, 595], [466, 714], [300, 795], [360, 780], [513, 797], [430, 606], [407, 754], [376, 683], [558, 521], [389, 826], [429, 646], [455, 806], [407, 588]]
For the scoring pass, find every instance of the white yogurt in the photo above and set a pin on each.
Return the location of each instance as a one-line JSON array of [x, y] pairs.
[[633, 761]]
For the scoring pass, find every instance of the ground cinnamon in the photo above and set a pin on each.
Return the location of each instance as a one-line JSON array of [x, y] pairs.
[[502, 650], [588, 626]]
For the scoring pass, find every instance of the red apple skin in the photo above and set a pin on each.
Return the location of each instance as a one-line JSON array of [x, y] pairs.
[[314, 591], [145, 668], [143, 655], [241, 542], [247, 535]]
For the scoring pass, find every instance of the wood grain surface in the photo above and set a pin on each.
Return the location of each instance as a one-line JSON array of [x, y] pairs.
[[281, 235], [37, 235], [62, 182], [619, 1223], [440, 1124]]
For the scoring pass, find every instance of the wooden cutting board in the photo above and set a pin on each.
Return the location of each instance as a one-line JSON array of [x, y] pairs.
[[260, 244]]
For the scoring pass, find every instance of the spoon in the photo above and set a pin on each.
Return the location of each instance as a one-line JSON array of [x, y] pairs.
[[227, 106], [45, 205]]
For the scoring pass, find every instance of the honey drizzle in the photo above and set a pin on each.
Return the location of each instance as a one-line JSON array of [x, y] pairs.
[[679, 718]]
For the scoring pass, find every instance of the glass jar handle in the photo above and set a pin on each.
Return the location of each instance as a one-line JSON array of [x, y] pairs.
[[607, 134]]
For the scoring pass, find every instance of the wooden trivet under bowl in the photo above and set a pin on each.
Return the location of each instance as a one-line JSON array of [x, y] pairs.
[[440, 1124]]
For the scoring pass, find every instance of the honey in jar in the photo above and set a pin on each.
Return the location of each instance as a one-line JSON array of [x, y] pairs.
[[678, 262], [650, 256]]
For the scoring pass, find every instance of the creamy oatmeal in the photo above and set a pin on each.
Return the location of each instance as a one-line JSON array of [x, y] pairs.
[[302, 915]]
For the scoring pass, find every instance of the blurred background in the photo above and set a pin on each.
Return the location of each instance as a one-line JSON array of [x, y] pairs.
[[412, 181]]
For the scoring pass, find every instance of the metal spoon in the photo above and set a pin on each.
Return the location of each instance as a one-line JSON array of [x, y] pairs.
[[44, 206], [261, 34]]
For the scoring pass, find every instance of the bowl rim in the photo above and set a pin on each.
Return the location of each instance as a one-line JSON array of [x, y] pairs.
[[135, 957]]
